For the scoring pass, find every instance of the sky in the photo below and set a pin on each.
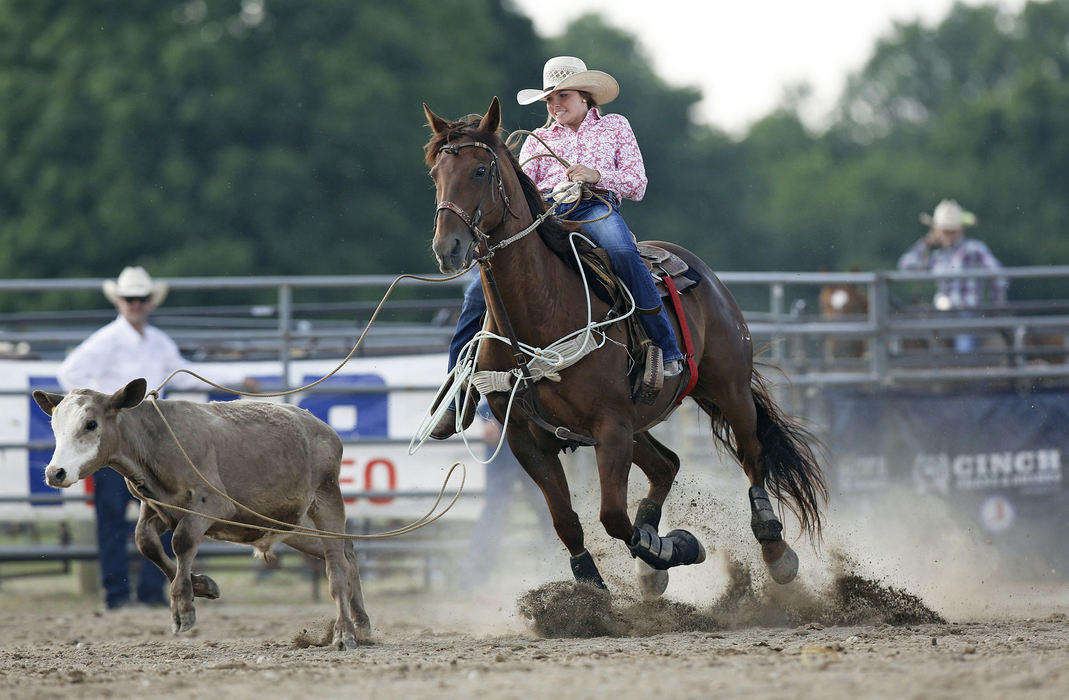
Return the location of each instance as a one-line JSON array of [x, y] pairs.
[[742, 54]]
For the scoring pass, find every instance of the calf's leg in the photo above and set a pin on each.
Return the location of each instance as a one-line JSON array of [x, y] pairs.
[[187, 538], [343, 574], [147, 536]]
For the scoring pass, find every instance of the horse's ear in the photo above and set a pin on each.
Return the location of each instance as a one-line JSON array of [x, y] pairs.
[[437, 124], [492, 119]]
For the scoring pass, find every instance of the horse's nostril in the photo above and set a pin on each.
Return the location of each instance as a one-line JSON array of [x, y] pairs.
[[59, 476]]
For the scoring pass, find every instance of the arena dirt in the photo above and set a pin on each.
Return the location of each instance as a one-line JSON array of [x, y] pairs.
[[850, 635]]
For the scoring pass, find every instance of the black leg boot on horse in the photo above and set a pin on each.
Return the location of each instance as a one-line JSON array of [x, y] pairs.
[[780, 559], [677, 548]]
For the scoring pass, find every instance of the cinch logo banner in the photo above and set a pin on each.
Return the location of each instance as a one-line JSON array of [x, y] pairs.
[[996, 458]]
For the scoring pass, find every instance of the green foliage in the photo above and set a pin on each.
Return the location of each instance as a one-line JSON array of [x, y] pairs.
[[209, 138]]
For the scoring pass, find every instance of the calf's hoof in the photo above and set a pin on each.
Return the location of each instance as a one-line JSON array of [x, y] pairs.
[[651, 582], [183, 621], [363, 632], [205, 587], [344, 642]]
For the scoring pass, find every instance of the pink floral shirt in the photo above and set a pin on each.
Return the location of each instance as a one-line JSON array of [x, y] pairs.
[[605, 143]]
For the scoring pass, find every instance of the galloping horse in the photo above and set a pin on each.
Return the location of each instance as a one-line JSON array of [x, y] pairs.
[[484, 201]]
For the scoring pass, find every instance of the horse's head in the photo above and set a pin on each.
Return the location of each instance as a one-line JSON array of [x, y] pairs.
[[463, 157]]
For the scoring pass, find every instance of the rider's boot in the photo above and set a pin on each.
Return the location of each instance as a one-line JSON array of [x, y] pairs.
[[652, 379], [447, 425]]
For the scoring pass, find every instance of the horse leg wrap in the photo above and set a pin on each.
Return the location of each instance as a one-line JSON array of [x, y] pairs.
[[676, 548], [649, 512], [763, 521], [586, 571]]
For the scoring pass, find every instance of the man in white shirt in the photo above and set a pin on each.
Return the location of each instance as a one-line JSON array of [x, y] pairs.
[[125, 349]]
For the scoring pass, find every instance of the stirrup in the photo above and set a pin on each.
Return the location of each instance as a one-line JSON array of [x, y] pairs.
[[652, 377]]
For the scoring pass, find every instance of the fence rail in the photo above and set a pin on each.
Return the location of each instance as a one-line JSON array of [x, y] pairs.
[[895, 338]]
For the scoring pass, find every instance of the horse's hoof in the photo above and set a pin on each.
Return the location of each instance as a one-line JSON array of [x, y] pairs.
[[784, 569], [651, 582], [183, 622], [205, 587]]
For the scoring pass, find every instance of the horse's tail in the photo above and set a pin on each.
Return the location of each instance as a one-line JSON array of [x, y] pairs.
[[792, 472]]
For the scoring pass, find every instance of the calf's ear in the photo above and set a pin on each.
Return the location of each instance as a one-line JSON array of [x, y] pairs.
[[130, 395], [47, 401]]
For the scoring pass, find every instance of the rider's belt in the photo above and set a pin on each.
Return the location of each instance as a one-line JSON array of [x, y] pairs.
[[589, 192]]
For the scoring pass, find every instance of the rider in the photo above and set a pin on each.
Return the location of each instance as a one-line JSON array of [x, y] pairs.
[[604, 154]]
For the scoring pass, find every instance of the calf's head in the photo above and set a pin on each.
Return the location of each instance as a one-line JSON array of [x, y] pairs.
[[84, 424]]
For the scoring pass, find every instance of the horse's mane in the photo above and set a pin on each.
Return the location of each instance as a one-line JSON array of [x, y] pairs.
[[553, 231]]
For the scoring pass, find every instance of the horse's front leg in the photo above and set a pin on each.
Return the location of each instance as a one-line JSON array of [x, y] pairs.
[[660, 465], [678, 547], [186, 539], [543, 466]]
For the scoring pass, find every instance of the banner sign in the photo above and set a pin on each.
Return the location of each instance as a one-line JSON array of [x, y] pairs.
[[998, 459], [370, 423]]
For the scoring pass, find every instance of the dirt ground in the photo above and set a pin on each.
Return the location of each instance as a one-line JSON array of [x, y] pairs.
[[843, 636], [898, 601]]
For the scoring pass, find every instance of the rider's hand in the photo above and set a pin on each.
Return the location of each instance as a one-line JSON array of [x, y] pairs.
[[582, 173]]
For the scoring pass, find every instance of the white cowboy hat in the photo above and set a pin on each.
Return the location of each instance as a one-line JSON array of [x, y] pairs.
[[948, 214], [135, 282], [569, 72]]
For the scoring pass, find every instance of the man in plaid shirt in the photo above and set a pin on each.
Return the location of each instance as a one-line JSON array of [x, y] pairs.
[[945, 249]]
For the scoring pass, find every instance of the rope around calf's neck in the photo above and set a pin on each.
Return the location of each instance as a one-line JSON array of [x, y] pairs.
[[290, 528]]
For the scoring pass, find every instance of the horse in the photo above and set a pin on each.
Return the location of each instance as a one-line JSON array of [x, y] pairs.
[[485, 202], [843, 302]]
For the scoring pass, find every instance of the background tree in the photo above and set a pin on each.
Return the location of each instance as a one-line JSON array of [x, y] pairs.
[[241, 137]]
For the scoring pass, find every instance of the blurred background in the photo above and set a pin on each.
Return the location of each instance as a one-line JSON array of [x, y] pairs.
[[277, 137]]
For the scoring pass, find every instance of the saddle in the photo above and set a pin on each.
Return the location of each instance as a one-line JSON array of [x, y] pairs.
[[646, 368]]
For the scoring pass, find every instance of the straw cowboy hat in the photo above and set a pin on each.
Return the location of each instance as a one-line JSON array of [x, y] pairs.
[[948, 214], [135, 282], [570, 73]]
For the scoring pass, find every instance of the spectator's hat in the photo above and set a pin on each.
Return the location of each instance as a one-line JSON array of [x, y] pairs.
[[135, 282], [948, 214], [570, 73]]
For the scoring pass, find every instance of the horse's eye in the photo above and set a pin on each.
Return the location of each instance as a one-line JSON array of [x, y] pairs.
[[480, 171], [91, 425]]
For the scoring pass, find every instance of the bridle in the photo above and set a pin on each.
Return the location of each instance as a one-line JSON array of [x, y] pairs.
[[472, 221], [527, 395]]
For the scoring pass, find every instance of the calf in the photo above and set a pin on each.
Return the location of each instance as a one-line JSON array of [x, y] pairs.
[[278, 460]]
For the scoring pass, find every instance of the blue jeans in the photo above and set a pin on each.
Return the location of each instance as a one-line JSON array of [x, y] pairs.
[[110, 498], [471, 316], [612, 234]]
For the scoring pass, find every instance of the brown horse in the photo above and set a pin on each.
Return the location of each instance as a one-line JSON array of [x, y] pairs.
[[484, 200]]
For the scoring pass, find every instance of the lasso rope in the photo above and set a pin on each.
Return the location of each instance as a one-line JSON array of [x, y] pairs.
[[555, 358], [294, 529], [568, 194], [545, 363]]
